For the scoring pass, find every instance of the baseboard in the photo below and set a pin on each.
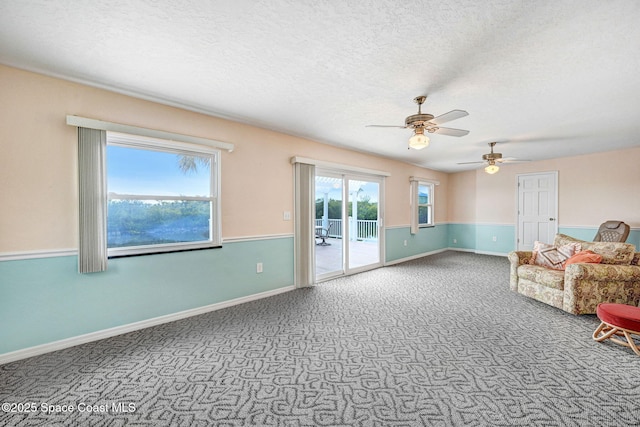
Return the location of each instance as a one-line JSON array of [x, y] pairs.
[[131, 327], [473, 251], [420, 255], [479, 252], [398, 261], [503, 254]]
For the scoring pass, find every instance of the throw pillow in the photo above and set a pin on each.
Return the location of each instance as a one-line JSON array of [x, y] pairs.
[[584, 256], [551, 256]]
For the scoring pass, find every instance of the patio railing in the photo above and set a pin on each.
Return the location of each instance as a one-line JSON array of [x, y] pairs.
[[367, 229]]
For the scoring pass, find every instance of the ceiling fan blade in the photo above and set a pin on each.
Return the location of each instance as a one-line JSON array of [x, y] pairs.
[[450, 131], [385, 126], [469, 163], [447, 117], [512, 160]]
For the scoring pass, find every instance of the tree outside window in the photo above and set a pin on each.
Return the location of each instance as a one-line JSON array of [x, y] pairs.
[[425, 204], [160, 197]]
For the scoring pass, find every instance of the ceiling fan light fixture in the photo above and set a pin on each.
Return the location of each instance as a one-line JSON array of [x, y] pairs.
[[418, 141], [422, 122], [492, 168]]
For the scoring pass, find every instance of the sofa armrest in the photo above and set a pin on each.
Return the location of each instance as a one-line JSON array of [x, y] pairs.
[[520, 257], [516, 259], [587, 285], [603, 272]]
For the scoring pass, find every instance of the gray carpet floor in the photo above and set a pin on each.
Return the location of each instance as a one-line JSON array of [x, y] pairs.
[[438, 341]]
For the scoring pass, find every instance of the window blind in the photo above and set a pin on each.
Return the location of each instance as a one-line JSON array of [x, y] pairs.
[[92, 195]]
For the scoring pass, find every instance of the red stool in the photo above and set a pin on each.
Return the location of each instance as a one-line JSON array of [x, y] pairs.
[[618, 320]]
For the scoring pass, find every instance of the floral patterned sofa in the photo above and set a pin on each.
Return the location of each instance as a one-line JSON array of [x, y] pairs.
[[580, 287]]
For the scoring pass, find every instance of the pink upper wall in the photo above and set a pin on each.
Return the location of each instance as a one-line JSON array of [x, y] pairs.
[[38, 163], [462, 197], [38, 170], [591, 189]]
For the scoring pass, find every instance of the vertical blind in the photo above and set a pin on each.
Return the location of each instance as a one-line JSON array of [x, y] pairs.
[[414, 206], [92, 189], [305, 265]]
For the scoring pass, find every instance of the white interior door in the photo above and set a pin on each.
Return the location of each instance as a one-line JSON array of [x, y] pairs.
[[537, 209]]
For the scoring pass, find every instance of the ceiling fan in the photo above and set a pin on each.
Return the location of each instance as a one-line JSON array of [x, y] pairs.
[[424, 122], [491, 159]]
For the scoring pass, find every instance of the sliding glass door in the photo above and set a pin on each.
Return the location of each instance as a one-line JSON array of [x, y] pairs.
[[348, 222], [329, 225], [363, 224]]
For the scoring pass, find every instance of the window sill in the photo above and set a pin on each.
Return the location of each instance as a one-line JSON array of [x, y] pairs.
[[127, 253]]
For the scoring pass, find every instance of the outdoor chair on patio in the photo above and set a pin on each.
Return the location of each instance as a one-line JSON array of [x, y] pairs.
[[323, 233]]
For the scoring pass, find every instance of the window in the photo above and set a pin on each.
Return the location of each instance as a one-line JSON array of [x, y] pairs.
[[425, 204], [162, 195], [422, 203]]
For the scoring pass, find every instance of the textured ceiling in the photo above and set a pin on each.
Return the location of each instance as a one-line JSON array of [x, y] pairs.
[[543, 78]]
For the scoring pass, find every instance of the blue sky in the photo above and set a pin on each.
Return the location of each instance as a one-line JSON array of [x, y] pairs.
[[368, 189], [137, 171]]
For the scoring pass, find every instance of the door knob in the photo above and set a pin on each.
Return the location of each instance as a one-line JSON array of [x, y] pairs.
[[552, 219]]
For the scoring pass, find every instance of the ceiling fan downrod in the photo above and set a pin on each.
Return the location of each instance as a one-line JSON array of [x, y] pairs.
[[420, 100]]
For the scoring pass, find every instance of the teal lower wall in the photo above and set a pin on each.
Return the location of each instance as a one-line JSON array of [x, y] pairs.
[[472, 237], [499, 239], [484, 238], [634, 238], [489, 238], [579, 233], [427, 239], [462, 236], [587, 233], [45, 300]]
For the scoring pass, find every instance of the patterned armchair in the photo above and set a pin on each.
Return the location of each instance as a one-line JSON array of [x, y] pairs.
[[580, 287]]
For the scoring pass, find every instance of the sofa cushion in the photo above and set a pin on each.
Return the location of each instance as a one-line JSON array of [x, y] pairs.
[[542, 275], [551, 256], [612, 252]]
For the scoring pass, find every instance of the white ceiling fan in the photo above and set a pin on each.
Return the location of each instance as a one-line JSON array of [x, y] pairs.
[[493, 159], [425, 122]]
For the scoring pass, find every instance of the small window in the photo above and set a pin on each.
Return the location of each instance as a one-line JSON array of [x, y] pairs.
[[425, 204], [422, 203], [162, 196]]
